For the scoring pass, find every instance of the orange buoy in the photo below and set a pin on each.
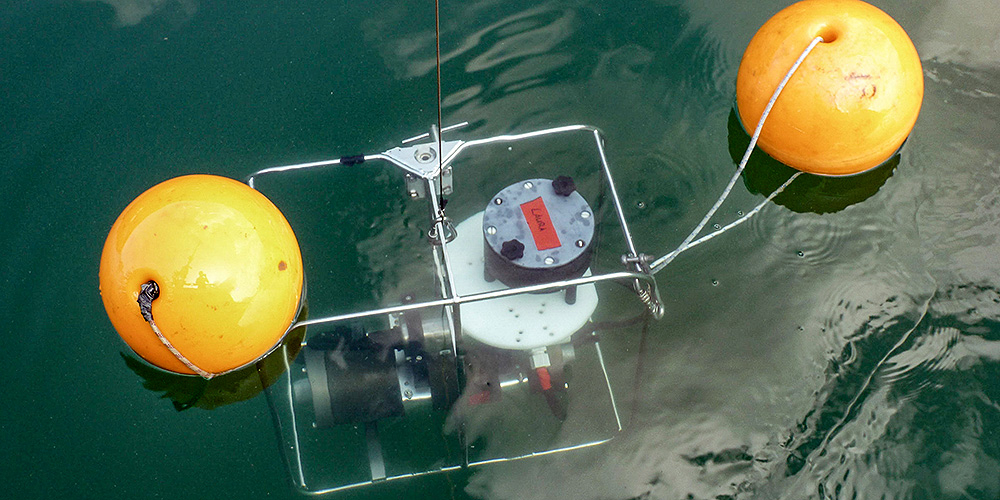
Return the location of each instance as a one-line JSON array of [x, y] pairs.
[[851, 103], [227, 265]]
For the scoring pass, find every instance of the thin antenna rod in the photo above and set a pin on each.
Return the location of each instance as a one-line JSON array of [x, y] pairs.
[[437, 54]]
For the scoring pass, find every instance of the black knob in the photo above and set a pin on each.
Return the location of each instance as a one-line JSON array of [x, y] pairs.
[[563, 185], [512, 249]]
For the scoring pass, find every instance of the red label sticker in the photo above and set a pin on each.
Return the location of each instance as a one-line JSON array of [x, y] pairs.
[[537, 217]]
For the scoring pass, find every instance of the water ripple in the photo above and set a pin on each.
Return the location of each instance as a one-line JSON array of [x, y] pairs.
[[928, 353], [816, 241], [906, 395], [518, 36], [522, 34]]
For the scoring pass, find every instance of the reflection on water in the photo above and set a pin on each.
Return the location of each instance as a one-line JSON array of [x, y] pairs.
[[908, 410], [188, 391], [814, 352], [849, 350], [809, 193], [132, 12], [841, 382]]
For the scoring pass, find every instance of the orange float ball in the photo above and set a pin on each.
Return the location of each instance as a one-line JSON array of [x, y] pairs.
[[228, 268], [851, 103]]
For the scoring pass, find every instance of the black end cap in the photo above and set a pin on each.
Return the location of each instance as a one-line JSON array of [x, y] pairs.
[[512, 249], [563, 185]]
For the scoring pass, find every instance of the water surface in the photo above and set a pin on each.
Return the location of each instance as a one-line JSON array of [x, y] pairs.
[[847, 351]]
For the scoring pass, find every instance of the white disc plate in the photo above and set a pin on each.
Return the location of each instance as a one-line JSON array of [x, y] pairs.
[[524, 321]]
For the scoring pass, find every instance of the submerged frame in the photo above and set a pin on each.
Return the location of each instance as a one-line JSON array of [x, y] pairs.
[[428, 171]]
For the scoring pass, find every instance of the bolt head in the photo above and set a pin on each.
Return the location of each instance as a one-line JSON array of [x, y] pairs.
[[425, 154]]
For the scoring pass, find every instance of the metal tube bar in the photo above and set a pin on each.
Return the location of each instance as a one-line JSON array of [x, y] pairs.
[[540, 453], [304, 166], [435, 203], [614, 194], [607, 380], [479, 296], [304, 490], [529, 135], [426, 134], [446, 280], [598, 139]]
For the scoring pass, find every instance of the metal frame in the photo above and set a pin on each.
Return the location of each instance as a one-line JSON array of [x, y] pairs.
[[299, 469], [411, 159], [428, 170]]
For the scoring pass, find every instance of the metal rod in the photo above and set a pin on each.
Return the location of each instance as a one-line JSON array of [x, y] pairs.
[[452, 468], [445, 161], [540, 453], [426, 134], [598, 139], [614, 195], [607, 380], [615, 200], [299, 468], [479, 296], [304, 166], [527, 135], [446, 277], [326, 491]]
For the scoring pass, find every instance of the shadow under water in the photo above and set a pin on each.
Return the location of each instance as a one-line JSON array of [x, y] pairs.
[[187, 391], [810, 193]]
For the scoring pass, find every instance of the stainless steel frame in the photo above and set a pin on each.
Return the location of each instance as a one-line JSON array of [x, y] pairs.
[[298, 469], [428, 170], [418, 161]]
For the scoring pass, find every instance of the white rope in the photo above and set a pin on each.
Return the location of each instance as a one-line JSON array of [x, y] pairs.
[[689, 242], [207, 375], [670, 256]]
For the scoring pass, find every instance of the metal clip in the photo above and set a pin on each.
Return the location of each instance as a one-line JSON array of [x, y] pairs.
[[650, 296], [450, 232], [647, 292], [641, 262]]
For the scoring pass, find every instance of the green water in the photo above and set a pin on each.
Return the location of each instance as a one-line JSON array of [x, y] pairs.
[[826, 349]]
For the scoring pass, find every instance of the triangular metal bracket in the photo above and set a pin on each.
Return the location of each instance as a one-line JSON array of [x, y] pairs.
[[422, 160]]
